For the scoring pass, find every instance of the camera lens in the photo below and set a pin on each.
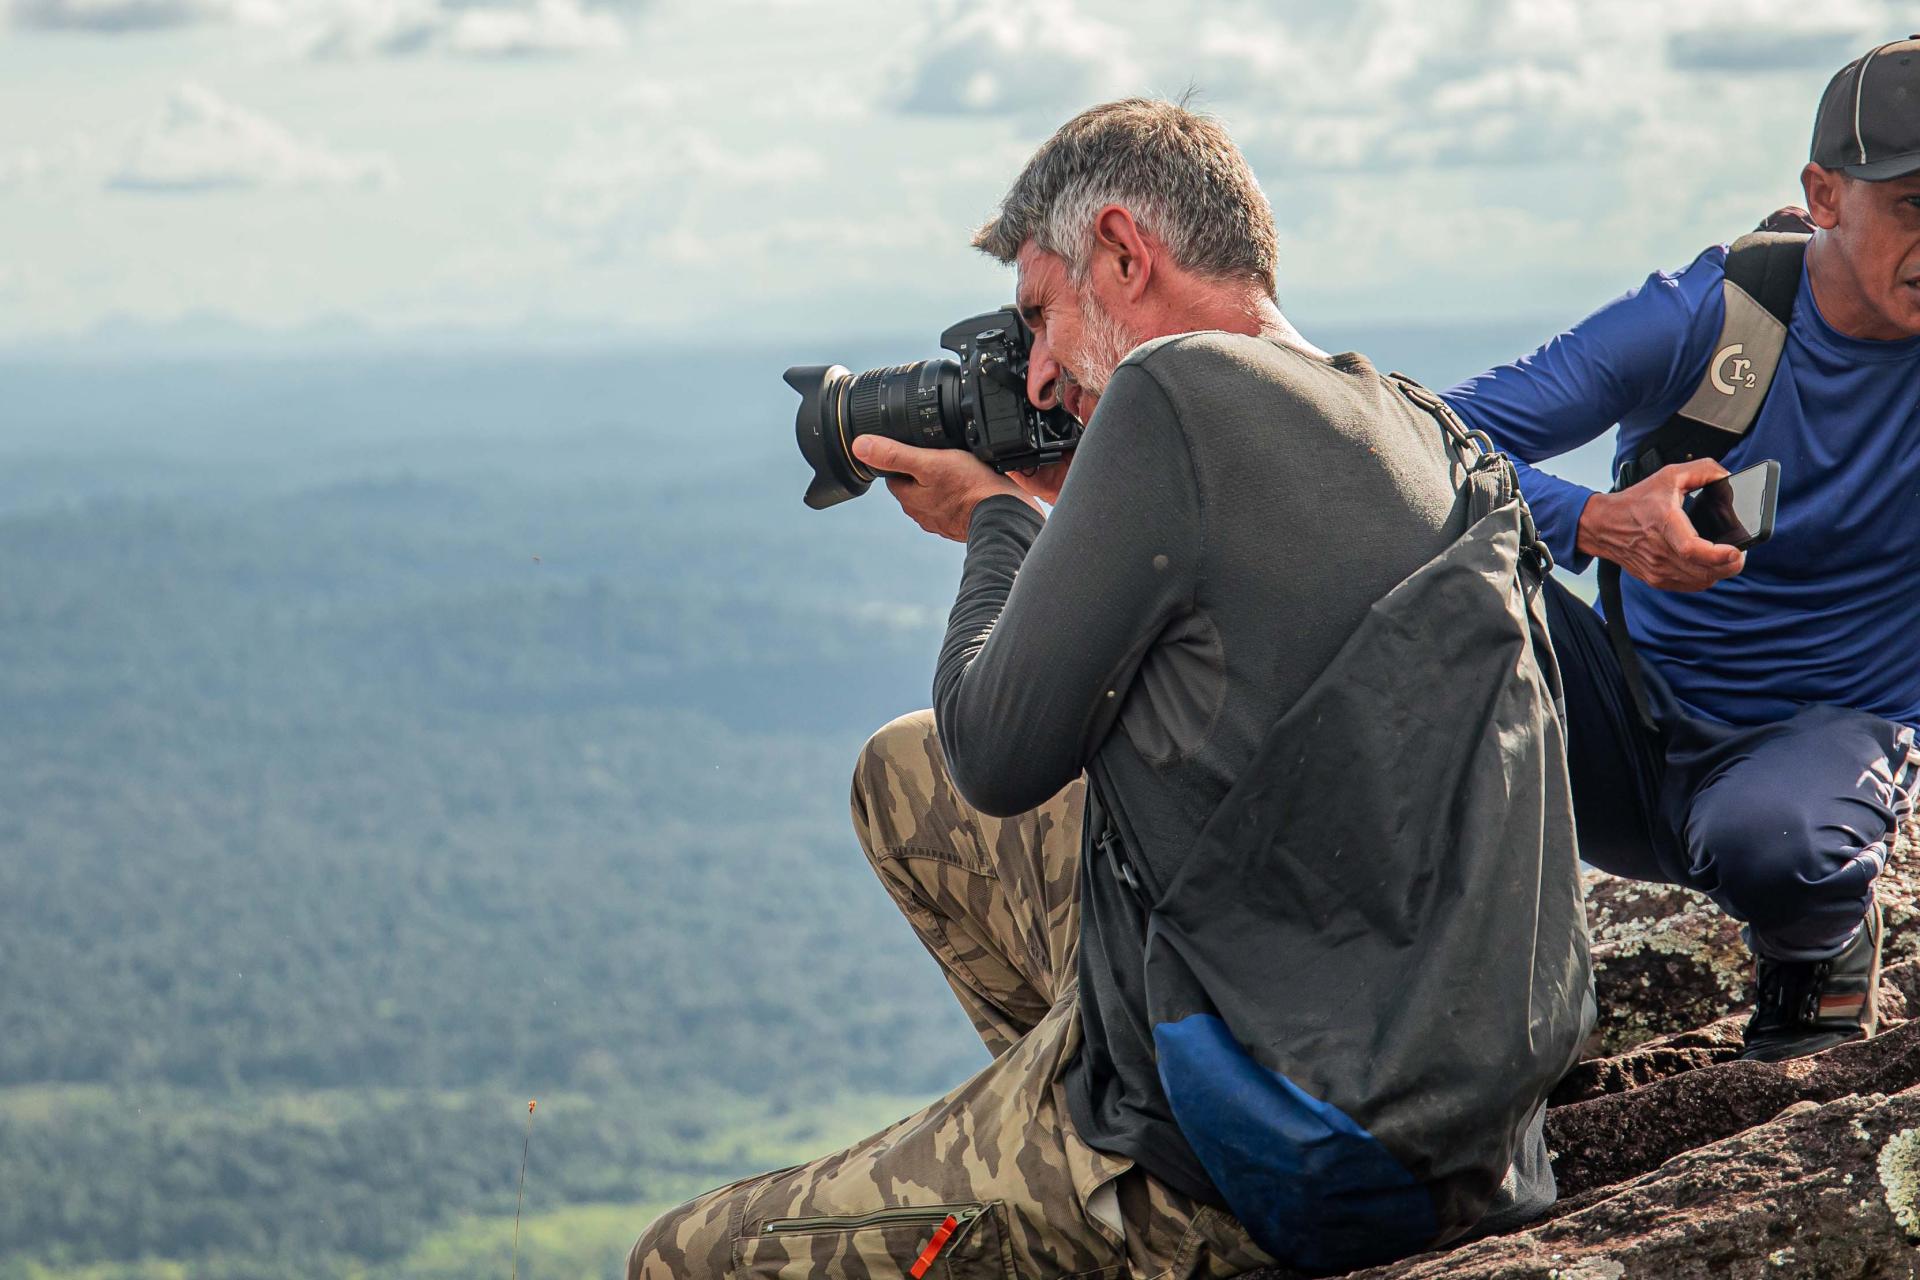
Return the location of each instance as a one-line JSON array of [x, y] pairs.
[[918, 404]]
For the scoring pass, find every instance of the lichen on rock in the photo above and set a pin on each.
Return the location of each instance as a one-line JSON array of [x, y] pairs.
[[1899, 1169], [1590, 1269]]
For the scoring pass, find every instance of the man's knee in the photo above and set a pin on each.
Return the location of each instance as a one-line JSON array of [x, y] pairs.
[[900, 788], [1771, 860], [688, 1243], [907, 747]]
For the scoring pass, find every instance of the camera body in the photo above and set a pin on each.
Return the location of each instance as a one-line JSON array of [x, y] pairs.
[[1005, 430], [977, 403]]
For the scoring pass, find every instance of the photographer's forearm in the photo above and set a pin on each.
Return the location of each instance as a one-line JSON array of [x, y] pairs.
[[1049, 629], [966, 702]]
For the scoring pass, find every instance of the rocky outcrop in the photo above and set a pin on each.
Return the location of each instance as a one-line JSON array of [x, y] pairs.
[[1666, 960], [1675, 1161], [1717, 1042], [1609, 1139], [1656, 1059], [1821, 1190]]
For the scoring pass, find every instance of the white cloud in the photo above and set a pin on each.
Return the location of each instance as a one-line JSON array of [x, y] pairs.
[[108, 16], [363, 28], [49, 167], [1522, 147], [23, 168], [360, 28], [637, 179], [202, 142], [544, 29], [1760, 36], [528, 28], [1776, 49], [1406, 87], [1232, 60], [639, 185], [1388, 85], [1017, 56], [1401, 139]]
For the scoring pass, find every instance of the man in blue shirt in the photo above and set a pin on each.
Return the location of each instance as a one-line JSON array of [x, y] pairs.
[[1782, 687]]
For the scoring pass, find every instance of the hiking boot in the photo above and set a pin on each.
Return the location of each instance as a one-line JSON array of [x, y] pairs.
[[1802, 1008]]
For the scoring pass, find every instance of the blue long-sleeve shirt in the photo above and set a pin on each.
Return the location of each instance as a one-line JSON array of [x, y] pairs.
[[1824, 612]]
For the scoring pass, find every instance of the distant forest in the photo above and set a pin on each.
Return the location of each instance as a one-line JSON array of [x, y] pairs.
[[344, 788], [349, 798]]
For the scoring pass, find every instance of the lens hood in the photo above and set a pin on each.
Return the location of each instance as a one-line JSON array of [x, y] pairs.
[[820, 426]]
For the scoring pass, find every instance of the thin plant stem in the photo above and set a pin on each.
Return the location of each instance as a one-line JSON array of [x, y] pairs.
[[521, 1195]]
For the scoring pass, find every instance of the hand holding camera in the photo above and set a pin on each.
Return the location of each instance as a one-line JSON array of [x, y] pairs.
[[937, 488]]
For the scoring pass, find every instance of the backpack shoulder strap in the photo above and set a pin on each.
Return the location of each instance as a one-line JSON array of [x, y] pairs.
[[1768, 266], [1763, 279], [1491, 479]]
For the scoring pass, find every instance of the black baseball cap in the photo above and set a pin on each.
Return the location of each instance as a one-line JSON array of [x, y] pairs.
[[1869, 120]]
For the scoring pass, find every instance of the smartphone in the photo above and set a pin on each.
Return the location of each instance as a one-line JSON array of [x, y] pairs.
[[1737, 510]]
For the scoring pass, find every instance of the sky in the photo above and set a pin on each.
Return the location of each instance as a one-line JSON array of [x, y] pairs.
[[716, 170]]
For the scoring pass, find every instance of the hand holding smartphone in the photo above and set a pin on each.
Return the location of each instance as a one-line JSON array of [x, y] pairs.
[[1737, 510]]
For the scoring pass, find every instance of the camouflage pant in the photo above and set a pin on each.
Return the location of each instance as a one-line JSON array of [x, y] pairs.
[[997, 904]]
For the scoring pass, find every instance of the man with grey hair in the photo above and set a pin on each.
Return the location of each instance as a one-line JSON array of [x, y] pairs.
[[1240, 505]]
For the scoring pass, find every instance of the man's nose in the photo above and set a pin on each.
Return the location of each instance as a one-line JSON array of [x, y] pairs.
[[1043, 376]]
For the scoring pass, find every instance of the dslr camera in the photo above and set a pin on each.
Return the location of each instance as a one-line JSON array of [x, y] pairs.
[[977, 403]]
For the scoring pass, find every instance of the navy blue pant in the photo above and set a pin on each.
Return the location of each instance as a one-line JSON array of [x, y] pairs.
[[1784, 825]]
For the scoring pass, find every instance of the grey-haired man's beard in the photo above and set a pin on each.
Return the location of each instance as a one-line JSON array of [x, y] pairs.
[[1104, 343]]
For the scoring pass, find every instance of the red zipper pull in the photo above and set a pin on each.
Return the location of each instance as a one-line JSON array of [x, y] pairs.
[[941, 1235]]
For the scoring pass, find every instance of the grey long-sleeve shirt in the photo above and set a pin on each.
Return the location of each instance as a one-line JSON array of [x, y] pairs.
[[1234, 509]]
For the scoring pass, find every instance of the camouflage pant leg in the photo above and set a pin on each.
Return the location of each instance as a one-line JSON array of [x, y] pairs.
[[995, 900], [998, 1154]]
